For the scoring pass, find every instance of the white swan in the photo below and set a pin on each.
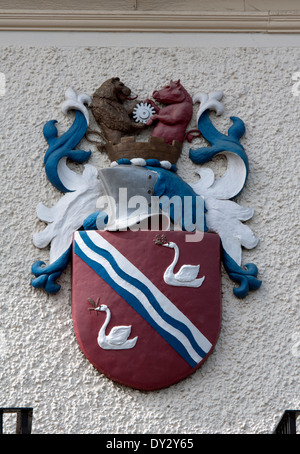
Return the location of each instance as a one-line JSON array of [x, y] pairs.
[[186, 276], [117, 339]]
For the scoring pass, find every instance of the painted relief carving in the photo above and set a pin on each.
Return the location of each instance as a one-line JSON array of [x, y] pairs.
[[110, 112], [143, 112], [171, 120], [117, 339], [109, 222], [187, 274]]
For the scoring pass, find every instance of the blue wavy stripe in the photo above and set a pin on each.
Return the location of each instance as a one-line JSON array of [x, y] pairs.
[[136, 304], [142, 287], [63, 147], [147, 292]]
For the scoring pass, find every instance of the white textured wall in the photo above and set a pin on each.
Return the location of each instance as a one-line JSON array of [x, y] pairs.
[[253, 374]]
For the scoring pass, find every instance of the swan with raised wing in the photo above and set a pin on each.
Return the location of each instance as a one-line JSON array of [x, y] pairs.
[[117, 339], [186, 276]]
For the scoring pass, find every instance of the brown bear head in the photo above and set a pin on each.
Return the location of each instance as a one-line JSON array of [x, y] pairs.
[[113, 89]]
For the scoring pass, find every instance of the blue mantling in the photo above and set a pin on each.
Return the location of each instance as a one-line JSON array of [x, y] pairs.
[[63, 147], [169, 184], [219, 142], [45, 276], [95, 221], [246, 277]]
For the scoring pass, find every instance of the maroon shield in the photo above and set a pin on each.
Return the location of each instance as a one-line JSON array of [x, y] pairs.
[[143, 313]]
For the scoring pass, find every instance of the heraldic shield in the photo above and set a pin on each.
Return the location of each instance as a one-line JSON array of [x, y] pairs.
[[146, 308]]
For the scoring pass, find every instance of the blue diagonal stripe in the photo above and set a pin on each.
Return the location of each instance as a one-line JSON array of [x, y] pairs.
[[136, 305], [147, 292]]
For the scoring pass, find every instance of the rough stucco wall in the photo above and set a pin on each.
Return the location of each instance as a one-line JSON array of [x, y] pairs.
[[252, 375]]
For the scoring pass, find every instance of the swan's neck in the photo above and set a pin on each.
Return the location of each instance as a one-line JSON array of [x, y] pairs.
[[106, 322], [176, 256]]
